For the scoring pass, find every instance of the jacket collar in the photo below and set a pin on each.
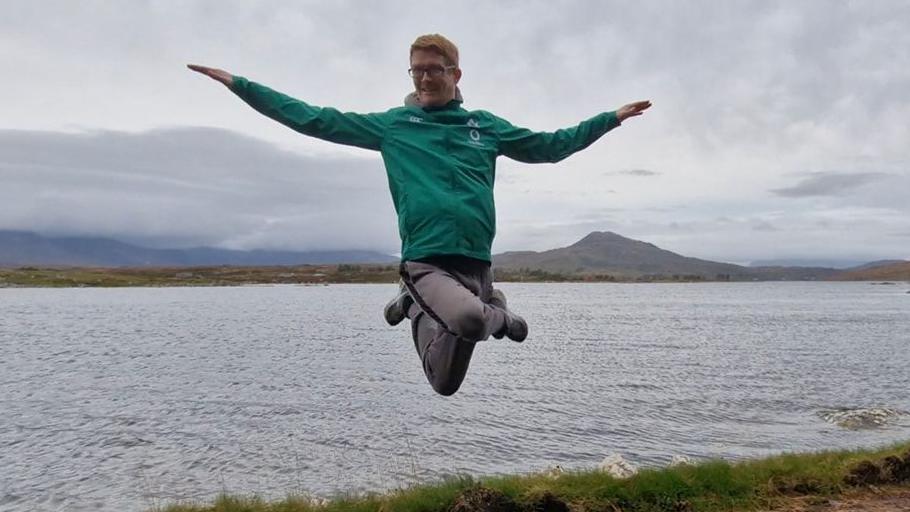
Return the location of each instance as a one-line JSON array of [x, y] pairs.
[[411, 101]]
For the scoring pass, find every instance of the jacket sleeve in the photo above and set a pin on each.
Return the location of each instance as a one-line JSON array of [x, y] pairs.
[[536, 147], [361, 130]]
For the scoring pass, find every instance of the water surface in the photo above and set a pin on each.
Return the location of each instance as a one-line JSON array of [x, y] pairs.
[[122, 399]]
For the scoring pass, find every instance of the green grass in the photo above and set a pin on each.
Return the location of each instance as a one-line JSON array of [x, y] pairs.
[[710, 486]]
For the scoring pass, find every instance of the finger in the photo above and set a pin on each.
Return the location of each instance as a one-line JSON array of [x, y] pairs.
[[636, 106], [209, 72]]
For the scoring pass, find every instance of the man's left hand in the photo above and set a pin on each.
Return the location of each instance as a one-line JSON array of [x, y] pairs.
[[632, 109]]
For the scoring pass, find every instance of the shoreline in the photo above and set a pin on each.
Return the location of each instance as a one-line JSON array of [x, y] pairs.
[[872, 480], [115, 277]]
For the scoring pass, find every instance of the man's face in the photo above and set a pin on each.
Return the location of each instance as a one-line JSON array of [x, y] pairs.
[[433, 91]]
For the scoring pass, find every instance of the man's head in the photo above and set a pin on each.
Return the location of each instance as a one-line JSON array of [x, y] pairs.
[[434, 69]]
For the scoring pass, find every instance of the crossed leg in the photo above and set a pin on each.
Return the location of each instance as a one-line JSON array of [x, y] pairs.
[[450, 315]]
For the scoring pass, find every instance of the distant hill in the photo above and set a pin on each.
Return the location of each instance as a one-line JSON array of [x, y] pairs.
[[624, 258], [791, 273], [840, 264], [899, 271], [22, 248], [610, 253], [597, 255], [805, 262], [875, 264]]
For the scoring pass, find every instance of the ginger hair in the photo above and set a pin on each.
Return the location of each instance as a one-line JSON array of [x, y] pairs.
[[437, 43]]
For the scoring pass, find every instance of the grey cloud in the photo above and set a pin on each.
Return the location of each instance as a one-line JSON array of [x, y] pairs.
[[641, 172], [192, 186], [507, 178], [595, 215], [755, 224], [684, 226], [829, 184], [663, 209], [764, 226], [633, 172]]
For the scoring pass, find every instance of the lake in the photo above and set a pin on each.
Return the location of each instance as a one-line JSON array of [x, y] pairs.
[[124, 399]]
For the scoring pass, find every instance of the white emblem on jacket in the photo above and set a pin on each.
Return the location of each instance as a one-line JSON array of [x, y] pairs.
[[474, 133]]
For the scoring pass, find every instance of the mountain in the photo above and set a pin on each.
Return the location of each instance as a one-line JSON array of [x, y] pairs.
[[20, 248], [610, 253], [897, 271], [621, 257]]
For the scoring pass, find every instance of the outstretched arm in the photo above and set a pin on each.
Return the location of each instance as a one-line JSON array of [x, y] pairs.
[[536, 147], [361, 130]]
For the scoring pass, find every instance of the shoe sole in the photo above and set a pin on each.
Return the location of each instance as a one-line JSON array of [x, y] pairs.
[[393, 314], [522, 333]]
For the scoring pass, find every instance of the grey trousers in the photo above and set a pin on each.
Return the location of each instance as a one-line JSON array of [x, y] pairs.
[[450, 314]]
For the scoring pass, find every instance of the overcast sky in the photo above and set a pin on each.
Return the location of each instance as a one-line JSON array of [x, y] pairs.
[[779, 129]]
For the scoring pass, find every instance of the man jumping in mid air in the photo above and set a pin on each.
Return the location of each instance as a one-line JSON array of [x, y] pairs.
[[441, 161]]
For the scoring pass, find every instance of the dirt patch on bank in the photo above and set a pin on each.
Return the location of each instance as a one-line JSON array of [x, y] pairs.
[[482, 499], [867, 499], [889, 470], [895, 499], [872, 486]]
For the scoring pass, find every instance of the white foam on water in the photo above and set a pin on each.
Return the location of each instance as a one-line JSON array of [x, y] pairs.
[[615, 465], [680, 460], [861, 418]]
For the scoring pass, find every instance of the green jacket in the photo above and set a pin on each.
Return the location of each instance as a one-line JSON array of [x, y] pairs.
[[441, 162]]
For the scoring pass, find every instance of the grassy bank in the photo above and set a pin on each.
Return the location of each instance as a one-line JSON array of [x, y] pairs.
[[776, 482]]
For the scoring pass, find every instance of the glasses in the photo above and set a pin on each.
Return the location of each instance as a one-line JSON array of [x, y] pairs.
[[432, 71]]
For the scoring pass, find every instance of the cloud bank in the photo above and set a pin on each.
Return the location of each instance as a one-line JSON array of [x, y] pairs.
[[193, 186]]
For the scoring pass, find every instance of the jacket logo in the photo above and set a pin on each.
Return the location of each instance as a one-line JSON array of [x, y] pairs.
[[474, 133], [415, 119]]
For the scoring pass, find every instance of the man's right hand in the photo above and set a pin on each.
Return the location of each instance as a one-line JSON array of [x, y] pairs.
[[216, 74]]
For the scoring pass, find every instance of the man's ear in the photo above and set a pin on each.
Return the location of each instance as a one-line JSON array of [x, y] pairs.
[[457, 74]]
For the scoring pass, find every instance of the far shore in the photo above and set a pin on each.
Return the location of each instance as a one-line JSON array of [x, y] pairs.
[[67, 277]]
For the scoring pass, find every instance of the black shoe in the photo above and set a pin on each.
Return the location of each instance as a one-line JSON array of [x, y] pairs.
[[397, 310], [516, 328]]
